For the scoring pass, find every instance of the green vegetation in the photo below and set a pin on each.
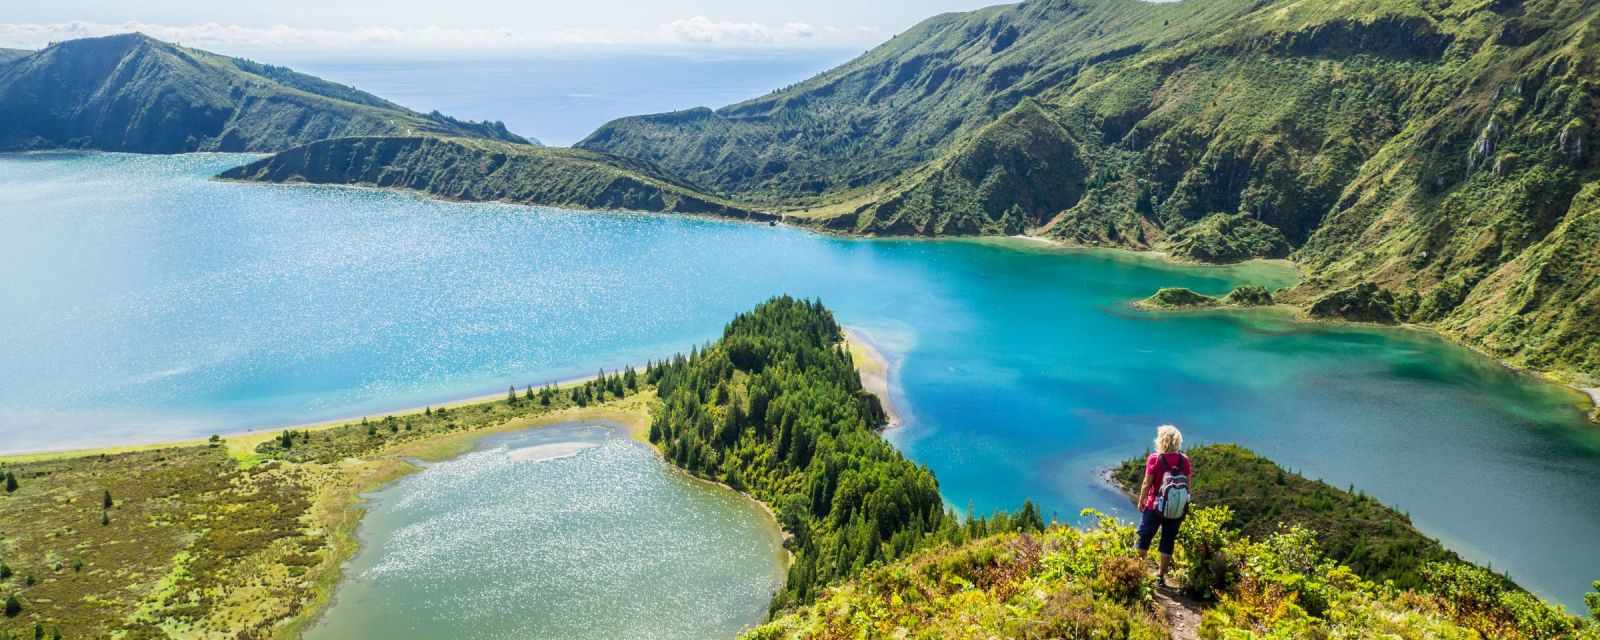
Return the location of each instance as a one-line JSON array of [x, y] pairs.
[[1365, 302], [134, 93], [484, 170], [1375, 541], [1440, 152], [776, 408], [1260, 500], [1178, 298], [243, 540], [1228, 238], [1279, 578], [1072, 583], [1063, 583], [1172, 298], [1248, 296]]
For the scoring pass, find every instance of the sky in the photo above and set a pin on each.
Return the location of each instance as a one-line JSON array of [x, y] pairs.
[[409, 27]]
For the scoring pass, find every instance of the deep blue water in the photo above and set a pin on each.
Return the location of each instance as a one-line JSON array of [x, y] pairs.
[[561, 97], [143, 301]]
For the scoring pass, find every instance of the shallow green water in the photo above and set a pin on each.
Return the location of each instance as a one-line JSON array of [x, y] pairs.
[[143, 301], [570, 531]]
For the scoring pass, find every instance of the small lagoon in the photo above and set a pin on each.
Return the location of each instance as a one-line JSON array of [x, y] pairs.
[[142, 301], [570, 531]]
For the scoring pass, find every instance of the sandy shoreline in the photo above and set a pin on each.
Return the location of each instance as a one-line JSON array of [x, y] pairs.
[[876, 371]]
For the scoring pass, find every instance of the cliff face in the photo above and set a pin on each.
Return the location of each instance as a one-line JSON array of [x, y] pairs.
[[1441, 151], [479, 170], [134, 93]]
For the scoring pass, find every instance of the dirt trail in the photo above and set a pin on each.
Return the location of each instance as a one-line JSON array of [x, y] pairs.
[[1182, 613]]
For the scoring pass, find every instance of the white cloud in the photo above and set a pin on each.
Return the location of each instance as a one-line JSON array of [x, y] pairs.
[[698, 31]]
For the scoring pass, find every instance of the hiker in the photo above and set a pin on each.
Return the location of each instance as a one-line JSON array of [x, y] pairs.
[[1164, 495]]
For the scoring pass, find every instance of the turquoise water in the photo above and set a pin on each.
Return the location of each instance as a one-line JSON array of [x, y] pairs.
[[571, 531], [143, 302]]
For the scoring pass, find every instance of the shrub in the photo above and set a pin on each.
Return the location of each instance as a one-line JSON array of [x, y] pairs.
[[1203, 547], [12, 606], [1123, 578], [1593, 600]]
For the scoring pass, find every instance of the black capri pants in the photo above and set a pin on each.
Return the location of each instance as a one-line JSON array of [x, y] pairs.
[[1151, 521]]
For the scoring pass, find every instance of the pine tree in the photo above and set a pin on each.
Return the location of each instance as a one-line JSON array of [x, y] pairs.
[[5, 571], [427, 411], [105, 501], [529, 394], [12, 606], [511, 394], [105, 518], [11, 482]]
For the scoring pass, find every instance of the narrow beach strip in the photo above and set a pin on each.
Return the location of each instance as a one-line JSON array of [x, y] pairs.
[[876, 371]]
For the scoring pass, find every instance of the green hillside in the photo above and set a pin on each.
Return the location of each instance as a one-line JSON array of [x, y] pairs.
[[1376, 542], [1271, 555], [135, 93], [1439, 151], [1088, 583], [486, 170]]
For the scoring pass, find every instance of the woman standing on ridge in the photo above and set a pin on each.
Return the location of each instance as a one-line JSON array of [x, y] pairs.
[[1164, 495]]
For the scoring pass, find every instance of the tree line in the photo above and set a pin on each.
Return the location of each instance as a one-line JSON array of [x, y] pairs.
[[776, 408]]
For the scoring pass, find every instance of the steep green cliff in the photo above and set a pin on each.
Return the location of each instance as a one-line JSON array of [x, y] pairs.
[[485, 170], [135, 93], [1440, 151]]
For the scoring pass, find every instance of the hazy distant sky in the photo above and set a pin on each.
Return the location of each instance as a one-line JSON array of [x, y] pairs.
[[405, 26]]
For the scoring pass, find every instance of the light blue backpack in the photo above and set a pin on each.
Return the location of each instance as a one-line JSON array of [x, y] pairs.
[[1172, 499]]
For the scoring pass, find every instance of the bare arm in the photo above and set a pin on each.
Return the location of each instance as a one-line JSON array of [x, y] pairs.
[[1144, 489]]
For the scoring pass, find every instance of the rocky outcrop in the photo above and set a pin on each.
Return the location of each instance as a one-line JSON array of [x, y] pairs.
[[1224, 238], [1248, 296], [1365, 302], [1178, 298]]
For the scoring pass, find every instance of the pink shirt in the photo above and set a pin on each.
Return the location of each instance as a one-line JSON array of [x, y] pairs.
[[1155, 469]]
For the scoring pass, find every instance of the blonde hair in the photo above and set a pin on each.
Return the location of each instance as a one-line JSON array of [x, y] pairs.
[[1168, 439]]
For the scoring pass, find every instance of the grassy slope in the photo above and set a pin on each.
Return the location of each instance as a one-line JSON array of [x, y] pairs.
[[134, 93], [1375, 541], [1070, 583], [225, 541], [1441, 149], [1272, 555], [483, 170]]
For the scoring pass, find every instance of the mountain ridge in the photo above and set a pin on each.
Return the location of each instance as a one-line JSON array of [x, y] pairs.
[[131, 92], [1437, 153], [490, 171]]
